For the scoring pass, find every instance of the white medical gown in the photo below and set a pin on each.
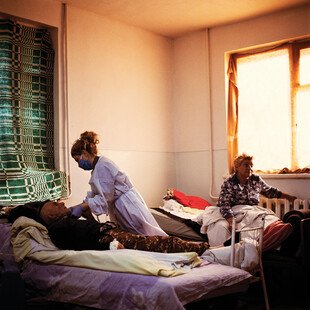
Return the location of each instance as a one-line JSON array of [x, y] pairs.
[[112, 193]]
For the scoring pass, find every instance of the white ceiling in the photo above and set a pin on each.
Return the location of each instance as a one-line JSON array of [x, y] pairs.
[[173, 18]]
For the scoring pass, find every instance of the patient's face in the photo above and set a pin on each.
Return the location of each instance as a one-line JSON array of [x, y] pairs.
[[245, 168], [52, 211]]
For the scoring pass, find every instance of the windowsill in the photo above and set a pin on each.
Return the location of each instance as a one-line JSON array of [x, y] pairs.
[[285, 176]]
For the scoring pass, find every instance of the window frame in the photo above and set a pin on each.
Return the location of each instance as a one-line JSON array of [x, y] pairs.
[[294, 48]]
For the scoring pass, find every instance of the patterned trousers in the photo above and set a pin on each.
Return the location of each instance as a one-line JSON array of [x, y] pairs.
[[164, 244]]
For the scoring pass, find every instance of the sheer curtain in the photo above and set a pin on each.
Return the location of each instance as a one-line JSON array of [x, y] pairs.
[[27, 170], [232, 113]]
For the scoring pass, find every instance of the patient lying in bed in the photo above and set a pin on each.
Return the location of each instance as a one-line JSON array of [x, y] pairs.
[[68, 232], [38, 227]]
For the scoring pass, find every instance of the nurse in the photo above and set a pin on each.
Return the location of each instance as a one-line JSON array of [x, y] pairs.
[[111, 192]]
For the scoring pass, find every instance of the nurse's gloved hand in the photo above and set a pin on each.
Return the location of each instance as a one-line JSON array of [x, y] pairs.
[[76, 211]]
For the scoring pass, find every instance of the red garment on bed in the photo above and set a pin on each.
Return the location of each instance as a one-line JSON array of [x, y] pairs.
[[190, 201]]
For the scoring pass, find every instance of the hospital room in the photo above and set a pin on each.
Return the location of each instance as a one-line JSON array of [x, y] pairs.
[[185, 102]]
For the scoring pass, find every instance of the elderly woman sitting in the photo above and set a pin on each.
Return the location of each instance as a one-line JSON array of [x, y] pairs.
[[243, 188]]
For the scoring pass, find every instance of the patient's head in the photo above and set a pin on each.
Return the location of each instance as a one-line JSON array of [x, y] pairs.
[[44, 212], [53, 211], [30, 209], [240, 159]]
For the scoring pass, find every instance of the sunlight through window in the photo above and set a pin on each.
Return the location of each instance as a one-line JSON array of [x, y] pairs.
[[264, 113], [303, 127], [304, 74]]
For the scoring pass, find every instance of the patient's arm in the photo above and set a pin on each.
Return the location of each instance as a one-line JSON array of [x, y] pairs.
[[88, 214]]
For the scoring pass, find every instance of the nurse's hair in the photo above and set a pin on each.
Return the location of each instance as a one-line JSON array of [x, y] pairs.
[[239, 160], [88, 141]]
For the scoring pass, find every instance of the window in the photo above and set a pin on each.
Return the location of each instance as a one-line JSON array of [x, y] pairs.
[[27, 171], [269, 107]]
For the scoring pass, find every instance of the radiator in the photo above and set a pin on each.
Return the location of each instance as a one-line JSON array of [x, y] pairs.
[[281, 206]]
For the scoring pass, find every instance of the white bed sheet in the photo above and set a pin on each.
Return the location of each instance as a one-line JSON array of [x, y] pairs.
[[112, 290]]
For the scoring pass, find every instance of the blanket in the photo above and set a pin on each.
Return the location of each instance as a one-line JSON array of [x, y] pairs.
[[30, 239], [177, 209], [213, 223], [246, 255]]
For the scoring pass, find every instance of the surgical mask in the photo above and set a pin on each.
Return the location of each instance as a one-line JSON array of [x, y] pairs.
[[85, 164]]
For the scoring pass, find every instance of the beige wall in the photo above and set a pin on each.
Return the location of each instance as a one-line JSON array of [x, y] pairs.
[[154, 101], [191, 94], [120, 86]]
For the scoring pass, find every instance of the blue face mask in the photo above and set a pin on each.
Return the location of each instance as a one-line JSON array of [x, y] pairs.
[[85, 164]]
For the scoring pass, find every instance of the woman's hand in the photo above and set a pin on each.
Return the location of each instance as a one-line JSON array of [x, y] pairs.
[[76, 211], [289, 197], [83, 210]]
